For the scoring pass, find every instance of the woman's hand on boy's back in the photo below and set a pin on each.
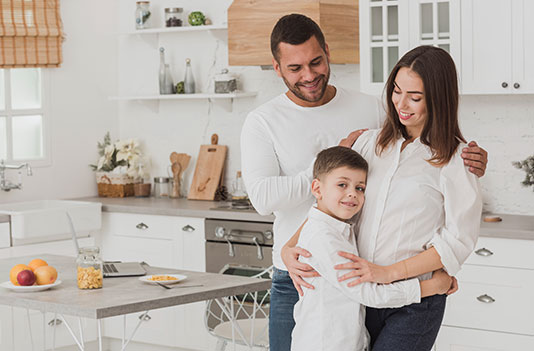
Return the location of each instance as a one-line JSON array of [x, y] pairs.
[[363, 270]]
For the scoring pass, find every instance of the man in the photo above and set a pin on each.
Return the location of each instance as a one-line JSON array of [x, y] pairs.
[[280, 139]]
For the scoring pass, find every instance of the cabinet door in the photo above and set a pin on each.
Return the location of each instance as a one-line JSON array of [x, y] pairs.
[[459, 339], [523, 43], [486, 46]]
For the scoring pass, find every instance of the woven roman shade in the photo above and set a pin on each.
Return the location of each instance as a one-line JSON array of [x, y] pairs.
[[30, 33]]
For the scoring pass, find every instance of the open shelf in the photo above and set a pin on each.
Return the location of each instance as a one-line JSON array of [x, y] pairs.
[[177, 29], [187, 96]]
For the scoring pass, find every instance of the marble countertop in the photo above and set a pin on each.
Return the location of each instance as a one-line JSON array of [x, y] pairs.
[[511, 227], [4, 218], [121, 296], [177, 207]]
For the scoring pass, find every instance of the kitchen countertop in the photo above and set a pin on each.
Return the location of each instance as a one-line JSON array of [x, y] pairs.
[[176, 207], [511, 227], [121, 296], [4, 218]]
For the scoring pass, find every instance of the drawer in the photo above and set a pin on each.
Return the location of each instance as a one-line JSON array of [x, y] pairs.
[[512, 308], [503, 253], [460, 339], [139, 225]]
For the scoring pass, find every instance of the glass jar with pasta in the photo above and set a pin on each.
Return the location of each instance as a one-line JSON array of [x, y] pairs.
[[89, 268]]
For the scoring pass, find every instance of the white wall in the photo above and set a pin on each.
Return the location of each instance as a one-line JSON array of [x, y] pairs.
[[79, 110], [98, 64]]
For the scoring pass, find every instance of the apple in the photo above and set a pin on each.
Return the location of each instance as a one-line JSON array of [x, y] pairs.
[[26, 278]]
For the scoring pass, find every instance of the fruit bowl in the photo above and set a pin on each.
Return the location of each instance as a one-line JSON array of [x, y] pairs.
[[33, 288]]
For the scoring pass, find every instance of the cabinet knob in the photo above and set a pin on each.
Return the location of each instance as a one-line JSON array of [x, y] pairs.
[[484, 252], [504, 85], [145, 317], [188, 228], [141, 226], [268, 234], [517, 85], [220, 232], [54, 322], [486, 299]]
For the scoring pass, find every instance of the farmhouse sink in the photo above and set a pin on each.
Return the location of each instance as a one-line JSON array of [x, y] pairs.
[[48, 218]]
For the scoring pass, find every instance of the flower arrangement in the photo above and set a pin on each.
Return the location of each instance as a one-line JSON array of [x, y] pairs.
[[528, 166], [121, 157]]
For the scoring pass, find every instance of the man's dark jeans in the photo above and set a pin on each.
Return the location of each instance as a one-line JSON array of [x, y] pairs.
[[284, 296]]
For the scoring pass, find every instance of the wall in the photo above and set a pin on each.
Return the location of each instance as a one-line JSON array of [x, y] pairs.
[[79, 110]]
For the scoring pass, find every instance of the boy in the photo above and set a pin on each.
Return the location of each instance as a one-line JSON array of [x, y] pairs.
[[331, 317]]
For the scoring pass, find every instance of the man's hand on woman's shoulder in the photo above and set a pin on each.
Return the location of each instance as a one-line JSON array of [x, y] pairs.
[[476, 158], [351, 138]]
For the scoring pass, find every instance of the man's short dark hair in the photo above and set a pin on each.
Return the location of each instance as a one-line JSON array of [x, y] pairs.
[[336, 157], [294, 29]]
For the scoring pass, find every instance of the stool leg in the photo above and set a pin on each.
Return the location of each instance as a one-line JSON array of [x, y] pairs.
[[221, 345]]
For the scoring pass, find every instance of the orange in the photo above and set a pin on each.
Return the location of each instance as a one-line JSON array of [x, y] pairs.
[[45, 275], [15, 271], [36, 263]]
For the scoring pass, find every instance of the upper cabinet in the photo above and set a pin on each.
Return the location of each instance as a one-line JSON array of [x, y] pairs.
[[489, 40], [389, 28], [250, 23], [497, 46]]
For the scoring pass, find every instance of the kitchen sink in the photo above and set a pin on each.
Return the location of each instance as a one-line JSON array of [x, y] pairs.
[[48, 218]]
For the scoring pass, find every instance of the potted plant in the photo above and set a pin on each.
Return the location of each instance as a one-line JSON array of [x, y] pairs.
[[528, 166], [121, 165]]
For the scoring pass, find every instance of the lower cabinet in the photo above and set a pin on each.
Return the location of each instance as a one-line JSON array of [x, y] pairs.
[[160, 241], [493, 307]]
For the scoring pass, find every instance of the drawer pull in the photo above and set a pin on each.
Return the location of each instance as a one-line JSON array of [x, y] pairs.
[[54, 322], [486, 299], [484, 252], [188, 228], [145, 317], [141, 226]]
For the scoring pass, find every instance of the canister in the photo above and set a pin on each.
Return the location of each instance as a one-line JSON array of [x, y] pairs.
[[162, 187]]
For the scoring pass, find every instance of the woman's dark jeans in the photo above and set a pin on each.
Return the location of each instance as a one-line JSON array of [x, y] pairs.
[[284, 296], [409, 328]]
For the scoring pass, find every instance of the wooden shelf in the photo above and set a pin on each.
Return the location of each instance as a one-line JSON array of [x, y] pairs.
[[187, 96], [176, 29]]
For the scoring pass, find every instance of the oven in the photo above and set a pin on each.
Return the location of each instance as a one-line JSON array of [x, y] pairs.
[[231, 244]]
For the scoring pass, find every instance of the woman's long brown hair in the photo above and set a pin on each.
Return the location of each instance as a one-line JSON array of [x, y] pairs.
[[441, 131]]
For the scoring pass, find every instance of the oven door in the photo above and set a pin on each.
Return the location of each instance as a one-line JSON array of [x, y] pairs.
[[218, 256]]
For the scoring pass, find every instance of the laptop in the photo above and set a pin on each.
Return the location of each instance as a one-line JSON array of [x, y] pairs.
[[123, 269]]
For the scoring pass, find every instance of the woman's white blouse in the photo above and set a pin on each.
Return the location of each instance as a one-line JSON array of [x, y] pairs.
[[411, 205]]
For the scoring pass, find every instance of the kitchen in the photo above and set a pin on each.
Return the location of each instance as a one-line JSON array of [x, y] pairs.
[[100, 62]]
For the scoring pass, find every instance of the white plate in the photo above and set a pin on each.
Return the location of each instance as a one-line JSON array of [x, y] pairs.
[[33, 288], [179, 278]]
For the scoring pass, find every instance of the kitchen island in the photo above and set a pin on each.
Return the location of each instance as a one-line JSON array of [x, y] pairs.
[[121, 296]]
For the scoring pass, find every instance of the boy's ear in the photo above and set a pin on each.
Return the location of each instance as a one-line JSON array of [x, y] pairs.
[[316, 189]]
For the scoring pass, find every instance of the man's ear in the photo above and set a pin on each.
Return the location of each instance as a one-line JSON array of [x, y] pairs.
[[327, 51], [276, 67], [316, 189]]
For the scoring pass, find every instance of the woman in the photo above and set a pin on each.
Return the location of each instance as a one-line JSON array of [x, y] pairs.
[[423, 207]]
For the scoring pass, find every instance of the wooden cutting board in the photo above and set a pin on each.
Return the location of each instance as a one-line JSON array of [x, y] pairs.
[[208, 170]]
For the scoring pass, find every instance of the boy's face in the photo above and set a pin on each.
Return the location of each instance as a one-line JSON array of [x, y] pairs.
[[340, 193]]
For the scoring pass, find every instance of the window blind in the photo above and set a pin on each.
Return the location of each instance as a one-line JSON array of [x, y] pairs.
[[30, 33]]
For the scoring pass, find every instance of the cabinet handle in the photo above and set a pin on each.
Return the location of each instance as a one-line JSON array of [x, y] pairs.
[[188, 228], [54, 322], [145, 317], [484, 252], [486, 299], [504, 85], [516, 85], [141, 226]]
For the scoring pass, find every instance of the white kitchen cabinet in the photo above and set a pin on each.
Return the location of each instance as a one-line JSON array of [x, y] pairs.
[[493, 308], [161, 241], [497, 46], [388, 29]]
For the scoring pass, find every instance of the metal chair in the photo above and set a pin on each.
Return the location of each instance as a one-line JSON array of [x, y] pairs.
[[241, 319]]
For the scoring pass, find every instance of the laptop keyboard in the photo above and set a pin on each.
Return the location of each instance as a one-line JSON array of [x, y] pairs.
[[110, 268]]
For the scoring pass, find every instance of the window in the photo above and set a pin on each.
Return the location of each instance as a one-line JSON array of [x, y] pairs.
[[22, 116]]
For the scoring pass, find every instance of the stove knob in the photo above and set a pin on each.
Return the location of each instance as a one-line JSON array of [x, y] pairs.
[[220, 232], [268, 234]]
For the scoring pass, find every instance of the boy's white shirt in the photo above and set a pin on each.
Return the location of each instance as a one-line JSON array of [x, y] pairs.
[[332, 316], [279, 142]]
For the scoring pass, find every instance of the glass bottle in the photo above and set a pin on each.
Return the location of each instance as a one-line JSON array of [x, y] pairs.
[[166, 84], [189, 80], [142, 15], [238, 188], [89, 268], [173, 17]]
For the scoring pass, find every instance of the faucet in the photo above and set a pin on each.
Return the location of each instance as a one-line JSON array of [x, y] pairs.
[[5, 184]]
